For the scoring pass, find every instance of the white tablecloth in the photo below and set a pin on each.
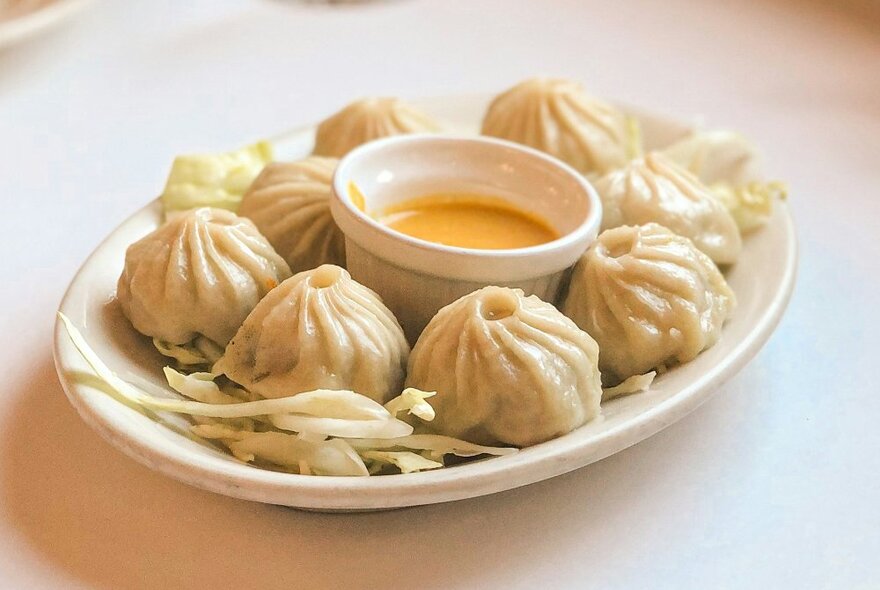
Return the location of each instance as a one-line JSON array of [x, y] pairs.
[[773, 483]]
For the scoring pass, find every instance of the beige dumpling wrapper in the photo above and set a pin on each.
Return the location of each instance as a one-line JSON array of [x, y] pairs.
[[559, 117], [649, 297], [289, 202], [368, 119], [655, 190], [199, 274], [507, 369], [318, 330]]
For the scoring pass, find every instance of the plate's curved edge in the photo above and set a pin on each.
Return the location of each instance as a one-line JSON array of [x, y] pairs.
[[492, 476]]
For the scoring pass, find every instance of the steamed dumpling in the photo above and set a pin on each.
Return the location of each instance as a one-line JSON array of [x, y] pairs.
[[318, 330], [199, 275], [507, 369], [368, 119], [717, 156], [649, 297], [558, 117], [289, 202], [653, 189]]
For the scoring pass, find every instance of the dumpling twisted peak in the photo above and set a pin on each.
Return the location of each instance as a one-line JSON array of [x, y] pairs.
[[318, 330], [368, 119], [199, 274], [559, 117], [289, 202], [649, 297], [507, 369], [653, 189]]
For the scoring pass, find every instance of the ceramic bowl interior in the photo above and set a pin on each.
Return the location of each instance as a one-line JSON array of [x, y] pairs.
[[409, 166]]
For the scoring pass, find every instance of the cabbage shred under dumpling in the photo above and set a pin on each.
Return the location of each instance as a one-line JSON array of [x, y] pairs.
[[289, 202], [507, 369]]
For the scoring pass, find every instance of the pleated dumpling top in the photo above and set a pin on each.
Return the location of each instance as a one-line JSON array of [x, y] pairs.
[[655, 190], [649, 297], [507, 369], [289, 202], [368, 119], [318, 330], [559, 117], [198, 275]]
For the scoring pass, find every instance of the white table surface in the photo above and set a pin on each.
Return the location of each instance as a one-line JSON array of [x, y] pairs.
[[773, 483]]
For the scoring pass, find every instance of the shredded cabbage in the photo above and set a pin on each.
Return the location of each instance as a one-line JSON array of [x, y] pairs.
[[750, 205], [634, 138], [342, 427], [729, 164], [412, 401], [332, 457], [213, 180], [252, 430], [635, 384], [200, 353], [406, 461], [197, 386], [438, 444]]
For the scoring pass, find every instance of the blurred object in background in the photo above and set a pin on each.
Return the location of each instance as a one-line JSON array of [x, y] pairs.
[[21, 19]]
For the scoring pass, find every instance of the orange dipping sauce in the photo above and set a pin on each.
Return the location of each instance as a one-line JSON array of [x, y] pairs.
[[468, 221]]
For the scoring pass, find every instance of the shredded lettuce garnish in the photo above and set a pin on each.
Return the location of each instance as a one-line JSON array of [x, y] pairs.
[[437, 444], [406, 461], [197, 386], [635, 384], [321, 432], [729, 164], [412, 401], [201, 353], [213, 180], [750, 205], [634, 138]]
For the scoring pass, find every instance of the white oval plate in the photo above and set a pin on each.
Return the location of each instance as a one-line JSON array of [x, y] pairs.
[[763, 280]]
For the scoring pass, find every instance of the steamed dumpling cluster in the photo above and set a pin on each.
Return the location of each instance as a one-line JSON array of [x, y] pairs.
[[507, 369], [649, 297], [366, 120], [318, 330], [198, 275], [561, 119], [653, 189], [289, 202]]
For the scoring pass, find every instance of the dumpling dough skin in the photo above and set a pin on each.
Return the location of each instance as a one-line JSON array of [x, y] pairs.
[[649, 297], [559, 117], [199, 274], [289, 202], [507, 369], [318, 330], [368, 119], [653, 189]]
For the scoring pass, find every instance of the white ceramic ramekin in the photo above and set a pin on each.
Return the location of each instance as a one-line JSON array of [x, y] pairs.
[[415, 278]]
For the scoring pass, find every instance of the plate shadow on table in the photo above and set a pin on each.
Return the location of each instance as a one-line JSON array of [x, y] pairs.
[[113, 523]]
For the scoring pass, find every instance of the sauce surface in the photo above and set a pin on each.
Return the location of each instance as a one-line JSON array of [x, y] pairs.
[[468, 221]]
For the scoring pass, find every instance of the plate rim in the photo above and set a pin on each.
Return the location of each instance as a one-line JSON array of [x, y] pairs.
[[397, 491]]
